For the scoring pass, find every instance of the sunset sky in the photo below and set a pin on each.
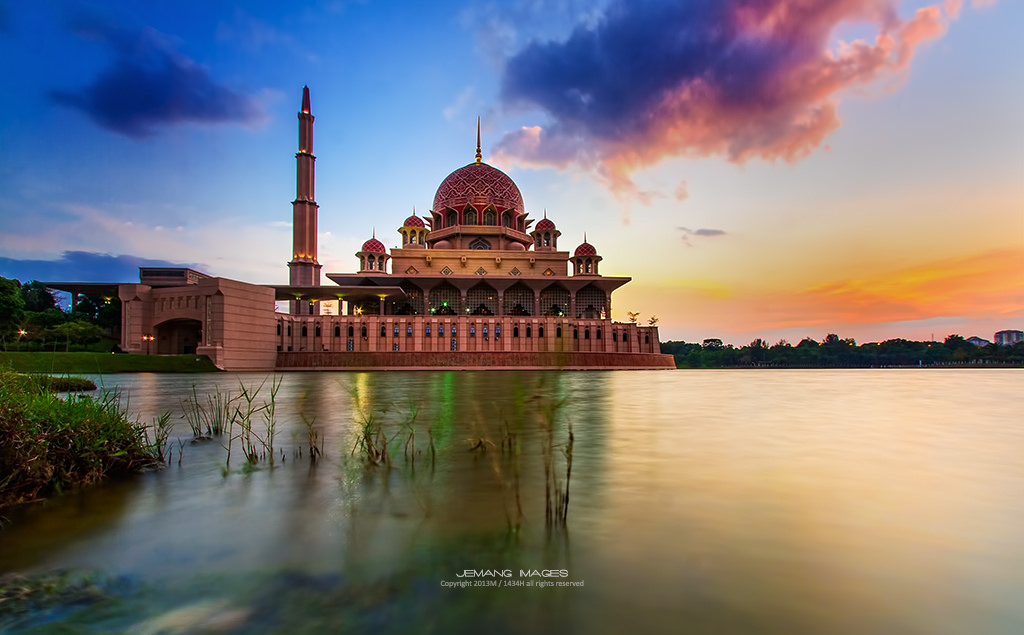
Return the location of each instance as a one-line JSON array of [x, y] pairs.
[[774, 169]]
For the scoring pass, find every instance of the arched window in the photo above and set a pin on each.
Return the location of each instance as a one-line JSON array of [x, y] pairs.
[[575, 334], [598, 333], [405, 238], [383, 330], [337, 331], [289, 330], [540, 331], [515, 331], [445, 299], [558, 332], [518, 300], [362, 332], [529, 331], [647, 339], [422, 234], [469, 216], [480, 243], [554, 300], [396, 331], [590, 266], [506, 219], [586, 334], [482, 299], [304, 331], [371, 261], [351, 331], [408, 331], [538, 240], [318, 330], [547, 239], [453, 218], [279, 328], [490, 218]]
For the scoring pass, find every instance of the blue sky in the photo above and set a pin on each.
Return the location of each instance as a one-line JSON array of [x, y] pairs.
[[852, 166]]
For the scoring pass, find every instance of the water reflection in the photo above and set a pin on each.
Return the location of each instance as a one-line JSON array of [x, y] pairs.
[[718, 502]]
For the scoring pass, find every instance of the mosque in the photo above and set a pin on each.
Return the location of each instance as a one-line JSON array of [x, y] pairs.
[[475, 284]]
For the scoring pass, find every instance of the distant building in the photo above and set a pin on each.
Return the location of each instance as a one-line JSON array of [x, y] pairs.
[[475, 284], [978, 341], [1009, 338]]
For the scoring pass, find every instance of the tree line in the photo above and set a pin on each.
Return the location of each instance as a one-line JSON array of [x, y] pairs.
[[31, 319], [836, 352]]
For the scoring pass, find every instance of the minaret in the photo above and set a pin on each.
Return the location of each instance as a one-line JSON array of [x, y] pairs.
[[304, 270]]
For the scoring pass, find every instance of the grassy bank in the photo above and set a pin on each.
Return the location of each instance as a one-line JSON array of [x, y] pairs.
[[49, 445], [100, 363]]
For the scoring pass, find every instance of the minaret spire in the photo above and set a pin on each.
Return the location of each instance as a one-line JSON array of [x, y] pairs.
[[303, 269], [479, 155]]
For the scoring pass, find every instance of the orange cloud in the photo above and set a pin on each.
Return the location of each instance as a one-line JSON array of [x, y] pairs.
[[739, 79]]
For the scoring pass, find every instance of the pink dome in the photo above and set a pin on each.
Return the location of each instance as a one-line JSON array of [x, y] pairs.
[[413, 221], [374, 245], [543, 224], [586, 249], [480, 185]]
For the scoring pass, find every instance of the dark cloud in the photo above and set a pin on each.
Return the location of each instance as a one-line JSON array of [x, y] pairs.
[[740, 78], [149, 85], [83, 266]]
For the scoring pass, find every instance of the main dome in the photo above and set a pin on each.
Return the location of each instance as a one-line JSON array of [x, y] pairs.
[[479, 185]]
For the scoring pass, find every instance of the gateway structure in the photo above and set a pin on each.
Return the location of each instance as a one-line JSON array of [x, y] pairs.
[[475, 284]]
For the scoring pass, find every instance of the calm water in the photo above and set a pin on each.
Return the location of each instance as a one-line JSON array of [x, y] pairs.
[[809, 501]]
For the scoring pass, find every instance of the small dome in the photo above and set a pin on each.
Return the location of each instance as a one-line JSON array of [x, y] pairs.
[[442, 244], [413, 221], [586, 249], [374, 245], [517, 247], [544, 224]]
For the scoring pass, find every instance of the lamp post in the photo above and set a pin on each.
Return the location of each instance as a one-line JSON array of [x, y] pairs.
[[147, 339]]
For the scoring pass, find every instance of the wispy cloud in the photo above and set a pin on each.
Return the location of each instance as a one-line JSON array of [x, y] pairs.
[[703, 232], [741, 78], [459, 105], [149, 85]]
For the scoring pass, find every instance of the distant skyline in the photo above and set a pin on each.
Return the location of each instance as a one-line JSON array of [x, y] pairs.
[[778, 170]]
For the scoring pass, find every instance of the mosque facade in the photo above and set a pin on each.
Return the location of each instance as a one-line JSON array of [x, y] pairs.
[[476, 283]]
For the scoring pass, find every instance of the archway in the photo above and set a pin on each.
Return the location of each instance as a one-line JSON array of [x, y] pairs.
[[177, 337]]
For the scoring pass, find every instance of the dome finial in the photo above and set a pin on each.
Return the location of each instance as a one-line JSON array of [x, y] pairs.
[[545, 212], [373, 234], [479, 155]]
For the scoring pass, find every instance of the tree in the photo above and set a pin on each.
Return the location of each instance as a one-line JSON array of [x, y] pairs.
[[12, 307], [76, 333], [37, 296]]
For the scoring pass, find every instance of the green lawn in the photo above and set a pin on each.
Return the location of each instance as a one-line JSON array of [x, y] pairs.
[[79, 363]]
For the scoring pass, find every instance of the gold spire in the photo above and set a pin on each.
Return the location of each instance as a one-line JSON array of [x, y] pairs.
[[479, 155]]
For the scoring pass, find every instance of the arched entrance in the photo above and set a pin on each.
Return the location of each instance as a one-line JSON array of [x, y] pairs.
[[178, 337]]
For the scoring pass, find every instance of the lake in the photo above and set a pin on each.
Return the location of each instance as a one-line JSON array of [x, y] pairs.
[[699, 501]]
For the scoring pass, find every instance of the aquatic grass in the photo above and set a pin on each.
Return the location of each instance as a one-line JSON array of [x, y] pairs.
[[50, 444], [210, 417], [161, 433], [316, 442]]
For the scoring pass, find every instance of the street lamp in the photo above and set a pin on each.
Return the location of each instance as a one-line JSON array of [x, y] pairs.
[[147, 339]]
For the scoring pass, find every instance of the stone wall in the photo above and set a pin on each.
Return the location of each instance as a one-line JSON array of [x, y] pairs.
[[470, 360]]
